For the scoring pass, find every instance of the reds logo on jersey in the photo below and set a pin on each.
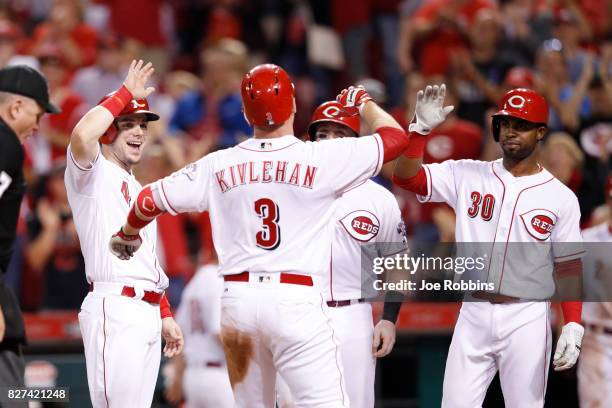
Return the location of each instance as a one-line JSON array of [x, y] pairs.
[[539, 223], [361, 225], [126, 192]]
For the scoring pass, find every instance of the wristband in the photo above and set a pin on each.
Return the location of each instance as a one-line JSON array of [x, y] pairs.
[[117, 101], [572, 311], [164, 307], [392, 306], [416, 146]]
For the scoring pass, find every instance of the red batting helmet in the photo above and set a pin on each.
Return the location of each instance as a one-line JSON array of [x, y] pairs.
[[334, 112], [524, 104], [133, 107], [267, 96]]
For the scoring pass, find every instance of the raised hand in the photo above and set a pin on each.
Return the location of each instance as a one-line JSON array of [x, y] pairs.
[[137, 77], [429, 110], [353, 98]]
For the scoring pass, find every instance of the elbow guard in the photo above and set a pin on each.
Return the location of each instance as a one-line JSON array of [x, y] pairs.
[[394, 142], [144, 209]]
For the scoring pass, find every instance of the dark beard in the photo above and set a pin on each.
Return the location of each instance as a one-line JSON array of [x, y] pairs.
[[517, 155]]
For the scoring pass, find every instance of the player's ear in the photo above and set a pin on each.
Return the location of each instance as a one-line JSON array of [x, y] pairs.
[[541, 133]]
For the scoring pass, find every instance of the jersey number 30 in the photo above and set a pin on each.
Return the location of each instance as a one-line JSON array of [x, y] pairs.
[[270, 235], [487, 203]]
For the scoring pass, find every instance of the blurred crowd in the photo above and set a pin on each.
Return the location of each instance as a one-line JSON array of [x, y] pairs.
[[201, 49]]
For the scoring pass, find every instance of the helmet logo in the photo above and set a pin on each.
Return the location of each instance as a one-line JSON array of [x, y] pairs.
[[331, 111], [137, 105], [516, 101]]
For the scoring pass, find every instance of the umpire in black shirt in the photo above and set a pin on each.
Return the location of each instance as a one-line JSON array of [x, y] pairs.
[[24, 98]]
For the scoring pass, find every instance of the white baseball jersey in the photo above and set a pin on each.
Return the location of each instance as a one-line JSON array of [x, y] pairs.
[[366, 214], [199, 316], [493, 206], [271, 200], [100, 197], [598, 276]]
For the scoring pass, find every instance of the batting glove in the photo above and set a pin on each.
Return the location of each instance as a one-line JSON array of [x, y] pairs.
[[354, 98], [123, 246], [568, 346], [429, 111]]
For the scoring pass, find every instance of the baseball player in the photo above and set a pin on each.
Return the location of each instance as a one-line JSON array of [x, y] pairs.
[[595, 366], [510, 200], [120, 317], [367, 213], [270, 203], [201, 369]]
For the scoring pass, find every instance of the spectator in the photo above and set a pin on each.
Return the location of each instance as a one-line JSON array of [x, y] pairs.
[[561, 156], [386, 21], [212, 116], [568, 101], [571, 28], [93, 82], [438, 28], [54, 253], [595, 136], [518, 77], [150, 31], [64, 28], [56, 129], [351, 19], [10, 37], [478, 73]]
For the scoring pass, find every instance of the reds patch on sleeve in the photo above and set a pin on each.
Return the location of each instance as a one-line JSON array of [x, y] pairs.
[[539, 223], [361, 225]]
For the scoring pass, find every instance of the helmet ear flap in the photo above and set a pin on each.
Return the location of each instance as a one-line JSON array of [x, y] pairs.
[[495, 128], [110, 135]]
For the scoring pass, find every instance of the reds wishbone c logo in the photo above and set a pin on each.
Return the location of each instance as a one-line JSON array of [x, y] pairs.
[[516, 101], [331, 111]]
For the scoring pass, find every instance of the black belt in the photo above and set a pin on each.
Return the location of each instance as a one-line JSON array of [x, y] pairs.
[[342, 303]]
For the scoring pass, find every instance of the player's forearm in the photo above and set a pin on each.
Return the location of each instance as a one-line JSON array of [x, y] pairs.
[[146, 208], [375, 117], [407, 167], [409, 173], [85, 135], [394, 138]]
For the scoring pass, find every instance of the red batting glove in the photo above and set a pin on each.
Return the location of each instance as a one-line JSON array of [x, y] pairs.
[[354, 98], [123, 246]]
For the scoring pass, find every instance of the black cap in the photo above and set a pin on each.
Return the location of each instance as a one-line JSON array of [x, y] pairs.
[[26, 81]]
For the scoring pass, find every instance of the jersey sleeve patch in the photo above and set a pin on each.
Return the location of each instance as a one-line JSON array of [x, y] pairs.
[[361, 225], [539, 223]]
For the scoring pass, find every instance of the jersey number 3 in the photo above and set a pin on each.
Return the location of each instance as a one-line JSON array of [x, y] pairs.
[[270, 235], [487, 203]]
